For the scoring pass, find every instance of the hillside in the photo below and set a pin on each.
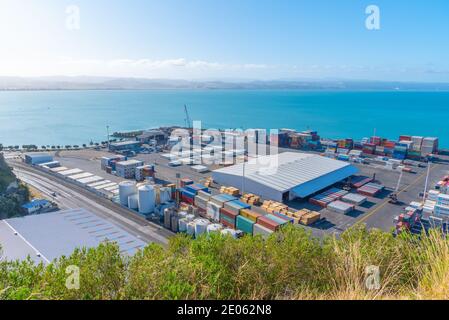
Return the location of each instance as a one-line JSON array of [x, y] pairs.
[[6, 175], [289, 265]]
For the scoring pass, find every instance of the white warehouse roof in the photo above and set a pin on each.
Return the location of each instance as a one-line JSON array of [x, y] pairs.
[[59, 233], [302, 174]]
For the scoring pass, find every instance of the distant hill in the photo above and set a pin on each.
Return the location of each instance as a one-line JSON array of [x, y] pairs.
[[105, 83]]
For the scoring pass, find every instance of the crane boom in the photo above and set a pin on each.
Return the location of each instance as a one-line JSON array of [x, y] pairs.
[[187, 118]]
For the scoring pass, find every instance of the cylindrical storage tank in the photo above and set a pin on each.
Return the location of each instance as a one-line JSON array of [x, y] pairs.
[[230, 232], [201, 226], [214, 228], [182, 225], [182, 214], [191, 228], [126, 189], [146, 199], [133, 202], [165, 195]]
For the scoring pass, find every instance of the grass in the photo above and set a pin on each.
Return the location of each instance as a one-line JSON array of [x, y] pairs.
[[290, 264]]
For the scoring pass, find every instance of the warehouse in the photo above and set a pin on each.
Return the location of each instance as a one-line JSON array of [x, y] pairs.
[[48, 236], [295, 175], [38, 158], [125, 146]]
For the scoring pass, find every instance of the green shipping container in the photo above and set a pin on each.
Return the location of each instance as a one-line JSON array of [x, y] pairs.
[[245, 224]]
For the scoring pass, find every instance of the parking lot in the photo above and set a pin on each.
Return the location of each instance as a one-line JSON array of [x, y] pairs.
[[377, 212]]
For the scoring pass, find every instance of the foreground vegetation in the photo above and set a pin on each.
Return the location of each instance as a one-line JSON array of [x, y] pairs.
[[289, 265], [11, 198]]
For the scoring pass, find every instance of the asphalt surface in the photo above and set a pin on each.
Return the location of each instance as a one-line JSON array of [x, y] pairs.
[[72, 196], [377, 212]]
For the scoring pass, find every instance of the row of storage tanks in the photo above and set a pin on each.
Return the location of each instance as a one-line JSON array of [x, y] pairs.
[[143, 197], [184, 222]]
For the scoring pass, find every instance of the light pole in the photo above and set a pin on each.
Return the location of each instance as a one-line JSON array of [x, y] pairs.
[[107, 130], [427, 180], [243, 177]]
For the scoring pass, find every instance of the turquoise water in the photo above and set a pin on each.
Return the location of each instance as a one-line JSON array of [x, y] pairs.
[[76, 117]]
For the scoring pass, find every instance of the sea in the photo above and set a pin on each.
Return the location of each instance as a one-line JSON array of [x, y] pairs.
[[78, 117]]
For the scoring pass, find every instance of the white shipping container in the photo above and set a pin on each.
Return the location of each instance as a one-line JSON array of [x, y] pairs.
[[340, 207], [354, 199]]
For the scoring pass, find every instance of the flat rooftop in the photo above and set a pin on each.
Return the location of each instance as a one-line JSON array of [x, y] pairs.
[[129, 162], [288, 170], [59, 233]]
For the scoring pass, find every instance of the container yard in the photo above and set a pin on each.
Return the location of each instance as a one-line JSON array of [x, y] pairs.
[[374, 175]]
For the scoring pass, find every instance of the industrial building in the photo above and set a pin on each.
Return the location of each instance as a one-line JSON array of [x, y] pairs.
[[125, 146], [36, 206], [48, 236], [157, 136], [285, 176], [127, 169], [38, 158]]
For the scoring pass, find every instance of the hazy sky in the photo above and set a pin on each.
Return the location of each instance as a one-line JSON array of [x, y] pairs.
[[225, 39]]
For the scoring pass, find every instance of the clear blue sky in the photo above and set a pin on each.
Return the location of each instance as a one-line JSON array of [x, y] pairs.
[[227, 39]]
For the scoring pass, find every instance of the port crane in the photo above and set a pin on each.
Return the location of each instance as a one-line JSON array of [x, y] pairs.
[[187, 118]]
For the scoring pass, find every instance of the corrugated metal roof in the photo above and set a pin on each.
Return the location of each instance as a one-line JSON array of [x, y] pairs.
[[35, 203], [59, 233], [287, 170]]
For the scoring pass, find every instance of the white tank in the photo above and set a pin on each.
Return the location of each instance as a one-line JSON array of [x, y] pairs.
[[182, 225], [126, 189], [190, 217], [214, 228], [182, 214], [191, 228], [201, 226], [165, 195], [146, 199], [133, 202]]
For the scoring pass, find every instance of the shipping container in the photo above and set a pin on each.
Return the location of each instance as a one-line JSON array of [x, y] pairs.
[[259, 230], [245, 224]]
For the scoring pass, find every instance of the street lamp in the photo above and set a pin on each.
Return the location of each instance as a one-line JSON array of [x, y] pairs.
[[107, 129]]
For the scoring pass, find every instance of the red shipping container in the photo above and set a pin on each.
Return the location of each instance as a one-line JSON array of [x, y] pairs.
[[228, 213], [268, 223], [227, 224], [187, 199]]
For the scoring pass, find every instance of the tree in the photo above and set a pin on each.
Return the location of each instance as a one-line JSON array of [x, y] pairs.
[[1, 147]]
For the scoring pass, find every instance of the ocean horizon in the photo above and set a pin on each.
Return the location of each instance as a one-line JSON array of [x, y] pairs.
[[59, 117]]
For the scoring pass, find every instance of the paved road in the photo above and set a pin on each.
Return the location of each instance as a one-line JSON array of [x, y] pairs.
[[73, 196], [383, 214]]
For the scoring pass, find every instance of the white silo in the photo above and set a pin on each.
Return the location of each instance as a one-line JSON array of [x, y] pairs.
[[126, 189], [146, 199], [201, 226], [133, 202]]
